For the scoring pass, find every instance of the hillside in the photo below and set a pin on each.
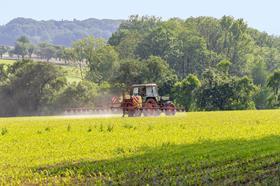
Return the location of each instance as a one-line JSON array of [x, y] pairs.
[[56, 32]]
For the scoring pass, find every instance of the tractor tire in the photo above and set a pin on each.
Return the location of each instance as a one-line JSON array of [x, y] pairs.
[[157, 112], [151, 108], [145, 112], [169, 109]]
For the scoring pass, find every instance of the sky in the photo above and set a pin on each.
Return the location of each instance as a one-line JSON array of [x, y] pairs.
[[261, 14]]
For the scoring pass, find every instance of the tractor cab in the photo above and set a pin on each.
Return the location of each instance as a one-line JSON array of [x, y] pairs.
[[145, 91]]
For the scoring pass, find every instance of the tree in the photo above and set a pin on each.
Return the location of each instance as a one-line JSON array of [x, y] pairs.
[[59, 52], [30, 50], [81, 94], [223, 66], [103, 64], [195, 56], [29, 88], [23, 47], [77, 55], [183, 91], [136, 25], [46, 51], [67, 55], [127, 46], [236, 43], [141, 24], [244, 92], [209, 28], [274, 84], [271, 58], [3, 50], [259, 74], [220, 92], [129, 72], [84, 51], [263, 97], [157, 43], [156, 70]]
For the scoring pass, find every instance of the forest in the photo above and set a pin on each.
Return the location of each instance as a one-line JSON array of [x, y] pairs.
[[202, 64], [62, 32]]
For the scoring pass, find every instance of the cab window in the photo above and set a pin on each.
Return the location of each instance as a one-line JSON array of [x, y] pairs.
[[155, 91], [149, 92], [135, 91], [142, 91]]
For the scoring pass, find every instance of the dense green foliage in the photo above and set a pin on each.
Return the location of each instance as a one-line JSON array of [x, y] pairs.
[[29, 88], [232, 61], [183, 91], [207, 148], [201, 63], [56, 32], [23, 47], [274, 84]]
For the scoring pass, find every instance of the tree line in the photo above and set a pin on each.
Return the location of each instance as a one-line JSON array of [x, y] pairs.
[[201, 63]]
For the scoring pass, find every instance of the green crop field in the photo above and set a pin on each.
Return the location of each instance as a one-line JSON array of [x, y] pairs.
[[72, 73], [6, 61], [240, 147]]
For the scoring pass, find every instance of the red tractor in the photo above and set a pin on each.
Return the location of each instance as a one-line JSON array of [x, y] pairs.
[[143, 98]]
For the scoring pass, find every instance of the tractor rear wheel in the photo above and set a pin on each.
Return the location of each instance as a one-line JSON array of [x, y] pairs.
[[169, 109]]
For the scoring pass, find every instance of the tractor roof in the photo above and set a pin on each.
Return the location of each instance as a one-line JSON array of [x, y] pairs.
[[145, 85]]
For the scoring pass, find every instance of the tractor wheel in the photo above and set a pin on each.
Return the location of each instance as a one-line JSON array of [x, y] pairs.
[[170, 110], [157, 112], [151, 108]]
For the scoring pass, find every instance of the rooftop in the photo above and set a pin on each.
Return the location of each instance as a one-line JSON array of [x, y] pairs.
[[144, 85]]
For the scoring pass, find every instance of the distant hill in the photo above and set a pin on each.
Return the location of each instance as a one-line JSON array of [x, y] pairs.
[[56, 32]]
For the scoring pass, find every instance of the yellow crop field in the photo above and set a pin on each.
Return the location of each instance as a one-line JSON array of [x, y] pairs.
[[238, 147]]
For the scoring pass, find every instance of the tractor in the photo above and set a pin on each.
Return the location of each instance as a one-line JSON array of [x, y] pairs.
[[137, 100], [143, 98]]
